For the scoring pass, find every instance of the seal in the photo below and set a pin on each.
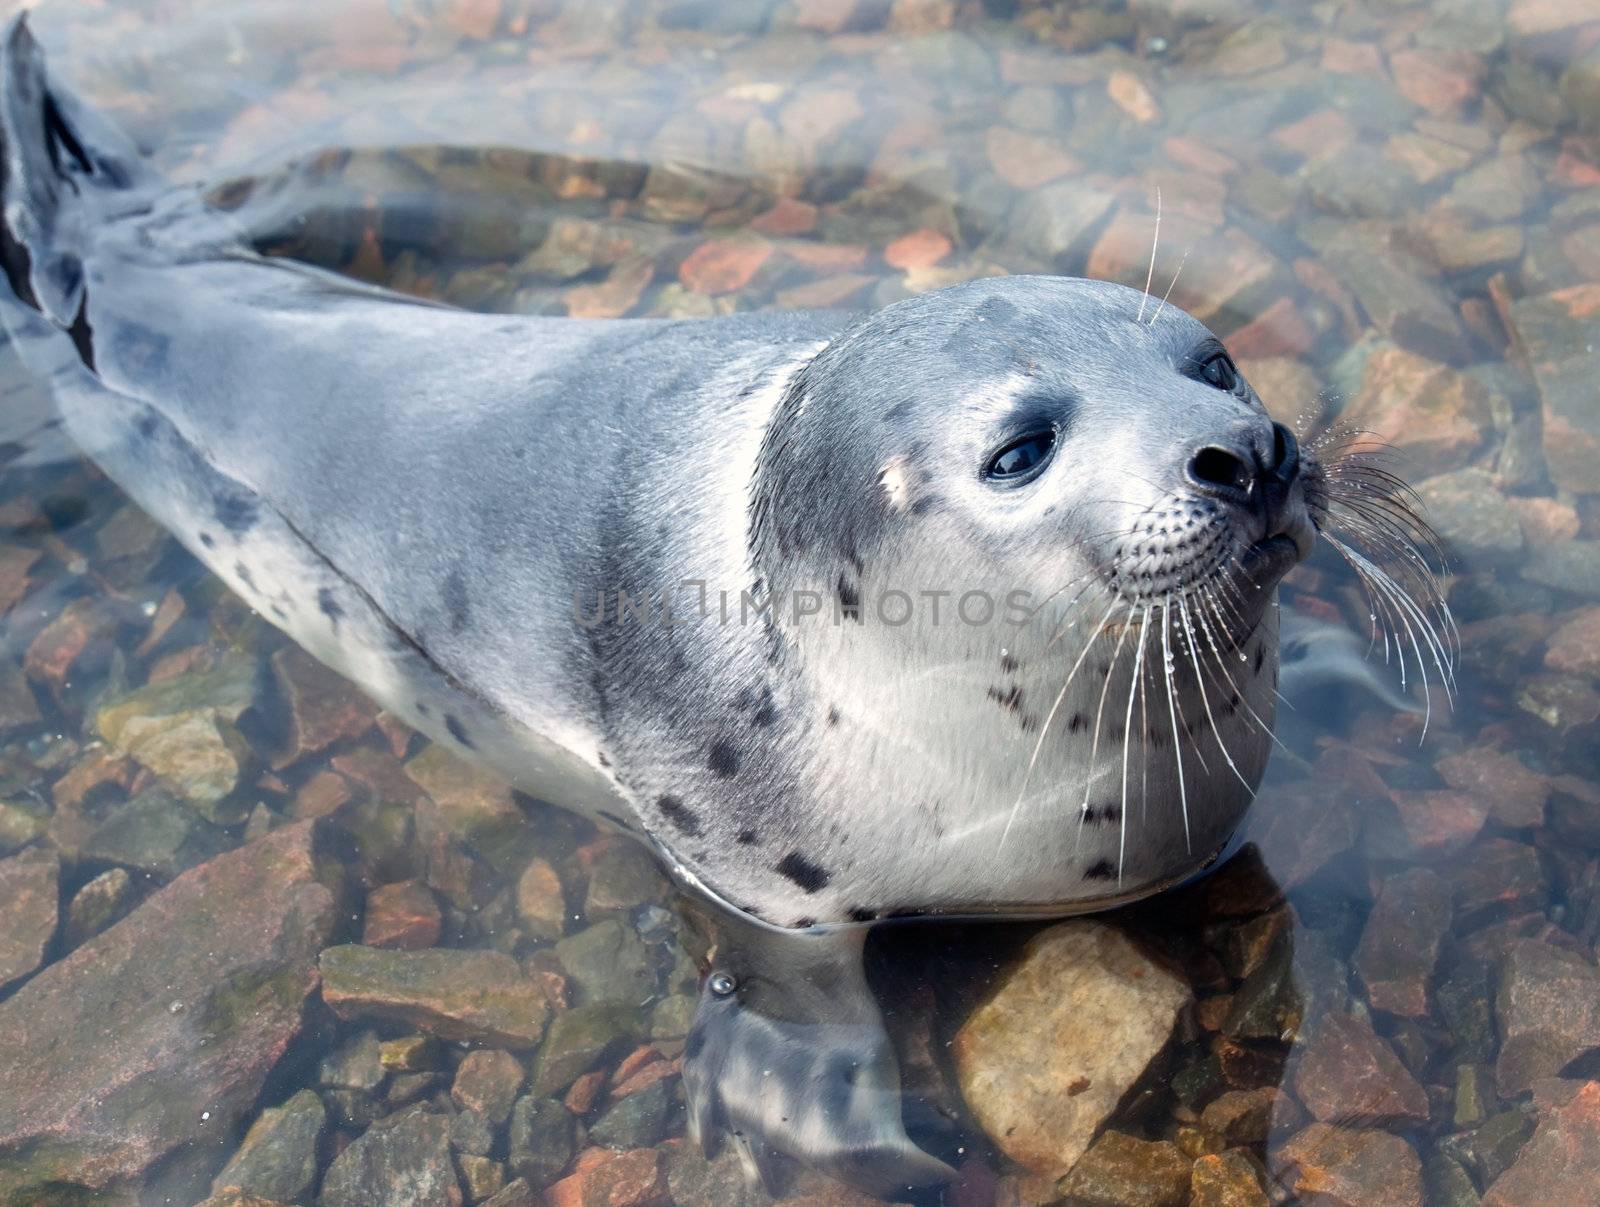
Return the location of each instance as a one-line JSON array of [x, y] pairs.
[[687, 576]]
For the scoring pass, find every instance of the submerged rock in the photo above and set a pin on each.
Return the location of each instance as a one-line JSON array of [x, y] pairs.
[[186, 1004], [1345, 1072], [1548, 1011], [1349, 1165], [1400, 942], [1121, 1171], [402, 1161], [1558, 1164], [98, 904], [470, 996], [154, 833], [29, 908], [1046, 1059], [277, 1158]]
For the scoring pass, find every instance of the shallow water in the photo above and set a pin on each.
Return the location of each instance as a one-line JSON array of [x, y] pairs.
[[1390, 212]]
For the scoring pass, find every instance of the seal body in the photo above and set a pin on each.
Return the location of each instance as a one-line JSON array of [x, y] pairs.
[[659, 571]]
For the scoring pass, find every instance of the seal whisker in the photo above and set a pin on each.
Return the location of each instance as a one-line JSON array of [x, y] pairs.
[[1155, 242], [1221, 661], [1172, 713], [1134, 680], [1205, 699], [1170, 286]]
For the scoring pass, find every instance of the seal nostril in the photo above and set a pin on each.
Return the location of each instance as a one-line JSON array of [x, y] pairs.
[[1219, 469], [1285, 453]]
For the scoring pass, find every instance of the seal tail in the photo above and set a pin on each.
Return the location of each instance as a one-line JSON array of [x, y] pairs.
[[62, 172]]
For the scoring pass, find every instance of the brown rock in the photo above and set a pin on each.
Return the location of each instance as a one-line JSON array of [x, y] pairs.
[[404, 916], [487, 1082], [1436, 416], [1440, 81], [1026, 161], [323, 706], [1121, 1171], [541, 901], [1548, 1011], [1133, 96], [401, 1161], [1438, 823], [722, 266], [1557, 1165], [1556, 334], [15, 562], [186, 1004], [1351, 1166], [920, 249], [18, 708], [470, 996], [1516, 795], [624, 1179], [1346, 1073], [29, 909], [53, 652], [1575, 646], [1247, 1116], [1532, 18], [1228, 1179], [1046, 1059], [1400, 942]]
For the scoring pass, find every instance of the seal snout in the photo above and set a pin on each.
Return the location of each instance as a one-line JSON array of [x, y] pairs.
[[1246, 473]]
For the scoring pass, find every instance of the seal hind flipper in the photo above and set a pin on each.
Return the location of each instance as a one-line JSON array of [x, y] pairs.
[[788, 1055]]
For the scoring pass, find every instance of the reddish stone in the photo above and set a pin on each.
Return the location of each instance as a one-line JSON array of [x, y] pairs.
[[1350, 1166], [787, 218], [623, 1179], [321, 795], [1434, 415], [1558, 1163], [1400, 942], [30, 907], [722, 266], [476, 19], [1516, 795], [186, 1004], [1546, 521], [396, 734], [1575, 646], [487, 1082], [585, 1092], [1026, 161], [98, 765], [1324, 132], [827, 257], [616, 295], [659, 1070], [404, 916], [168, 613], [1199, 157], [826, 294], [920, 249], [58, 645], [1439, 823], [1439, 81], [1133, 96], [1498, 876], [324, 707], [1532, 18], [1279, 330], [15, 562], [1547, 1007], [1352, 58], [1346, 1072]]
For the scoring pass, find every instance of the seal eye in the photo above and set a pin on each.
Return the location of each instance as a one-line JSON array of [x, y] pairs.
[[1217, 370], [1022, 459]]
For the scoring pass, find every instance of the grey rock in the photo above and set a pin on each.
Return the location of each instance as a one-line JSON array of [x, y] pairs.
[[404, 1161], [636, 1121], [278, 1157], [154, 833], [608, 962], [104, 900], [541, 1138], [356, 1064]]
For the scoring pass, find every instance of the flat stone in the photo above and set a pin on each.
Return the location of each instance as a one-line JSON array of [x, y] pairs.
[[404, 916], [183, 730], [1548, 1010], [1069, 1029], [487, 1082], [541, 901], [1475, 520], [154, 833], [1517, 796], [1437, 417], [1557, 1164], [624, 877], [477, 806], [104, 900], [1353, 1166], [468, 996], [324, 706], [410, 1054], [540, 1140], [356, 1064], [29, 910], [1122, 1171], [577, 1041], [1400, 942], [516, 1193], [187, 1004], [1572, 566], [625, 1179], [1574, 648], [402, 1161], [278, 1157], [1345, 1071], [608, 962], [636, 1121], [1227, 1179]]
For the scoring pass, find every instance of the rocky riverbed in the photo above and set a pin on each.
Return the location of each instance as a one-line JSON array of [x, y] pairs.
[[260, 944]]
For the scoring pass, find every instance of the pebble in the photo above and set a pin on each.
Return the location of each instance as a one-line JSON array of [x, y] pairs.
[[1227, 1179], [1122, 1171], [404, 916], [104, 900], [1067, 1031], [277, 1159], [608, 962], [402, 1161], [541, 1139], [1400, 942], [487, 1082]]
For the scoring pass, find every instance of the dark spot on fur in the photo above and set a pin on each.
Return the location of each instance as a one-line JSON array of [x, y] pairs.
[[1008, 697], [1008, 664], [243, 571], [277, 610], [1103, 870], [723, 760], [809, 876], [456, 604], [805, 923], [82, 335], [833, 716], [422, 709], [849, 599], [1029, 721], [458, 731], [209, 541], [860, 914], [1261, 656], [237, 513], [148, 424], [329, 606], [695, 1044], [746, 838], [680, 815], [1078, 723], [924, 504], [600, 757]]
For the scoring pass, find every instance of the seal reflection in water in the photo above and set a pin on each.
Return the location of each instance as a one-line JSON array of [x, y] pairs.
[[418, 495]]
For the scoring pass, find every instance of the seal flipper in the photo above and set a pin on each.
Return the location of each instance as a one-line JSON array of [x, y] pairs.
[[788, 1055]]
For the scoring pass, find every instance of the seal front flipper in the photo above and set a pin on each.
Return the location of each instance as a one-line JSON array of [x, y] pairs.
[[788, 1056]]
